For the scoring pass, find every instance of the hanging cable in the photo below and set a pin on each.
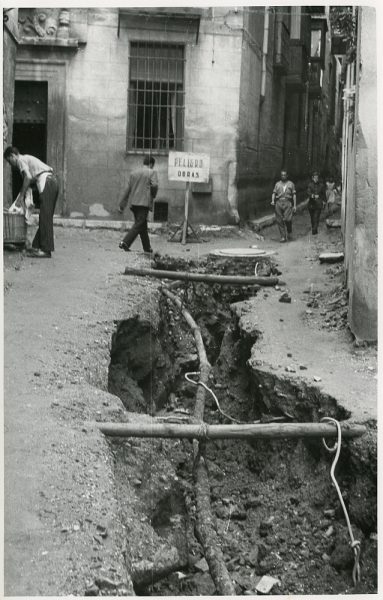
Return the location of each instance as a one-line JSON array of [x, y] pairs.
[[187, 377], [355, 544]]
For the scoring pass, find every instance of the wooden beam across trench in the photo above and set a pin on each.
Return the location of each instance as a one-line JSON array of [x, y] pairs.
[[266, 431], [204, 277]]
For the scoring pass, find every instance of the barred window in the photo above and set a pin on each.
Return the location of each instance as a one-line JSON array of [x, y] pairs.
[[156, 97]]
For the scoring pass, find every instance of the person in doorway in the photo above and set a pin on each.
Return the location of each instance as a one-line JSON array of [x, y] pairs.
[[37, 175], [332, 196], [284, 198], [139, 196], [316, 201]]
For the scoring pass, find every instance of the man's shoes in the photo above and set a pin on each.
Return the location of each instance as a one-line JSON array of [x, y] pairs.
[[40, 254], [282, 240], [124, 246], [149, 253]]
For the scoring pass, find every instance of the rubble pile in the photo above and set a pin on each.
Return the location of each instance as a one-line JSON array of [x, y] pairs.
[[327, 310]]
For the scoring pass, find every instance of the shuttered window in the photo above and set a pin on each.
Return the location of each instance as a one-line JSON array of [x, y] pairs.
[[156, 97]]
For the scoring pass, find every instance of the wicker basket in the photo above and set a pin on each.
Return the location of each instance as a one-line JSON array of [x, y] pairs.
[[14, 228]]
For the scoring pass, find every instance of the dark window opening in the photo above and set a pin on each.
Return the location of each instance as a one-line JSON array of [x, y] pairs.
[[160, 213], [156, 97]]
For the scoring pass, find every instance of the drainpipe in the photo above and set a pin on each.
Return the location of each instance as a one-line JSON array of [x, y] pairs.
[[266, 27], [264, 52]]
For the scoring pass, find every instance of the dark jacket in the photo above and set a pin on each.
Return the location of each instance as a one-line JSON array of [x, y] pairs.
[[316, 193], [142, 188]]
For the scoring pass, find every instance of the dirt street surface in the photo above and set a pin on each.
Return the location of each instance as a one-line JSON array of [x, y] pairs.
[[88, 515]]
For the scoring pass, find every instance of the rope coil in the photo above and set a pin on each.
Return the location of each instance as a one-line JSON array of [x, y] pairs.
[[355, 544]]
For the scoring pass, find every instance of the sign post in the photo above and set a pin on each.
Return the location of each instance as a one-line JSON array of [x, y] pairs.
[[184, 166]]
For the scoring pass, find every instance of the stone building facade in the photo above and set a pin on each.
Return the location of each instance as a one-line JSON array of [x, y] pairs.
[[98, 87], [360, 182], [10, 42]]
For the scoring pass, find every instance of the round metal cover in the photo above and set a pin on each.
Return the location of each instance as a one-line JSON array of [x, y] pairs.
[[240, 252]]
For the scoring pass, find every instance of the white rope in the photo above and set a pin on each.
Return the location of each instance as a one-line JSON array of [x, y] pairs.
[[355, 544], [187, 377]]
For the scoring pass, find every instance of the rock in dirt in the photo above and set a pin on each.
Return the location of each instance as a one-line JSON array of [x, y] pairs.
[[105, 583], [252, 558], [342, 557], [92, 590], [238, 513], [222, 512], [265, 527], [334, 223], [285, 297], [202, 565], [330, 531], [253, 502], [201, 584], [266, 584]]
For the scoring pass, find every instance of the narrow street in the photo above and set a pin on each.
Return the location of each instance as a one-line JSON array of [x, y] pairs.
[[190, 392], [65, 527]]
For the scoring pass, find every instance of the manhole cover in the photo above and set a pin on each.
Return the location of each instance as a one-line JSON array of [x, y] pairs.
[[240, 252]]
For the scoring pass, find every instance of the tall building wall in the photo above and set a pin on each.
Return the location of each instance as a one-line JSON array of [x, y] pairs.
[[97, 163], [362, 233], [10, 36], [261, 131]]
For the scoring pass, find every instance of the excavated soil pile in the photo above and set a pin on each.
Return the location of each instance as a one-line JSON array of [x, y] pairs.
[[277, 513]]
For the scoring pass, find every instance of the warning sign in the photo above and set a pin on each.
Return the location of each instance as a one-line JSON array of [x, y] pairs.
[[184, 166]]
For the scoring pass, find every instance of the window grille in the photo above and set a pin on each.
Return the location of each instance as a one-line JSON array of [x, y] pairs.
[[156, 97]]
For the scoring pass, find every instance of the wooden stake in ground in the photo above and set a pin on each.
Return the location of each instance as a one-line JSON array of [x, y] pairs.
[[204, 527], [186, 218]]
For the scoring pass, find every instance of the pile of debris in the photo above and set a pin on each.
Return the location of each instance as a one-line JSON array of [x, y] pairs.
[[331, 308]]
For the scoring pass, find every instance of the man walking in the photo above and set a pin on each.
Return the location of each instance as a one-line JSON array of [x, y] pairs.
[[139, 195], [284, 199], [317, 200], [37, 174]]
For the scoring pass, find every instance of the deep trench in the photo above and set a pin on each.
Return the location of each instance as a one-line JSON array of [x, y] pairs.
[[276, 510]]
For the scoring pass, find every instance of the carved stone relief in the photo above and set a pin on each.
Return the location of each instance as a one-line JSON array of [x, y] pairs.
[[44, 23]]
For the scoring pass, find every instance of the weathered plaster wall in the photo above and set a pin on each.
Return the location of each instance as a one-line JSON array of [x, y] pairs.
[[98, 76], [362, 276], [10, 33], [213, 68]]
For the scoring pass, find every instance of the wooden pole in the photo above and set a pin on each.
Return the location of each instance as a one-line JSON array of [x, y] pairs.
[[186, 218], [202, 277], [205, 529], [202, 431]]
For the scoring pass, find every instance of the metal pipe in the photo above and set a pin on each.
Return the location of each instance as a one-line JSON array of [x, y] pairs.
[[265, 49]]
